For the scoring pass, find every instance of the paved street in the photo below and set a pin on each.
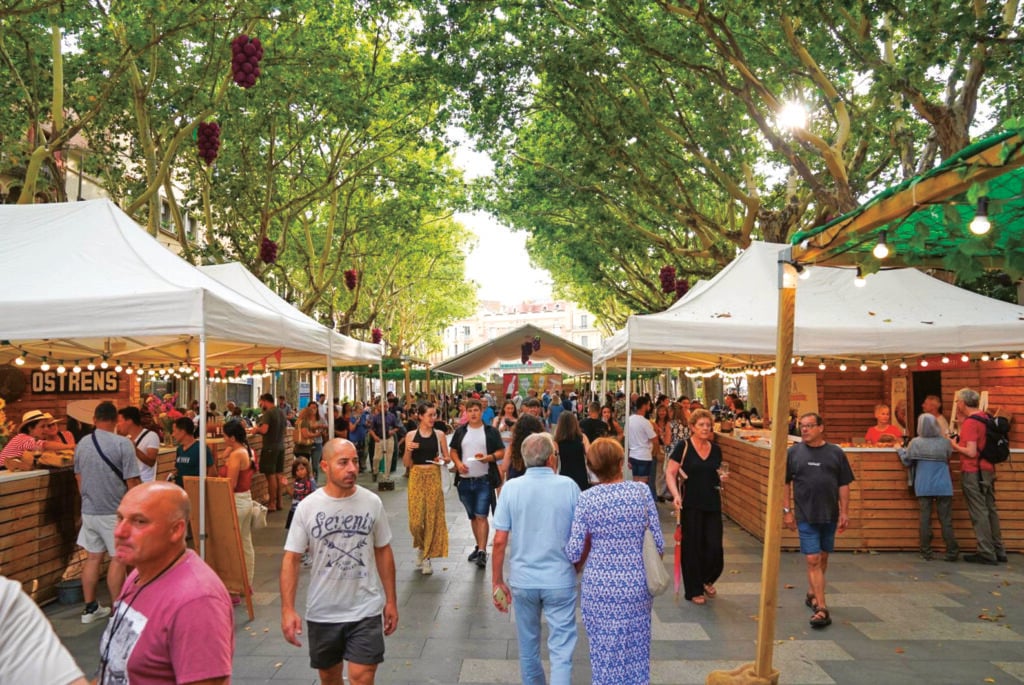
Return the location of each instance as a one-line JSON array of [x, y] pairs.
[[897, 619]]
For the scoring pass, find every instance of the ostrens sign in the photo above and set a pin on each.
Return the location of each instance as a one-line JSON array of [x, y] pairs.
[[68, 383]]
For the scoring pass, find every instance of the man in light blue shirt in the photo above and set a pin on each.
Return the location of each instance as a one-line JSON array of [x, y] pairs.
[[532, 521]]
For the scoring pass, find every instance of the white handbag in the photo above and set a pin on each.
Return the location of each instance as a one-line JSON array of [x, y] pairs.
[[657, 576]]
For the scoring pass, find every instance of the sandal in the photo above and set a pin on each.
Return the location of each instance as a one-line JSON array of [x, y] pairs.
[[710, 590], [699, 599], [821, 618], [809, 601]]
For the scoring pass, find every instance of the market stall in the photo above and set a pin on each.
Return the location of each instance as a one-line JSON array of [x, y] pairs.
[[90, 298]]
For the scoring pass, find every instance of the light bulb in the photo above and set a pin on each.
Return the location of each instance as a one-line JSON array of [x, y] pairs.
[[119, 368], [104, 365], [842, 367], [821, 366], [903, 364], [885, 365], [805, 273], [44, 366], [924, 363], [129, 370], [800, 361], [945, 359], [881, 250], [20, 360], [863, 366], [985, 357], [76, 368], [964, 358], [980, 224], [60, 369], [90, 366], [1004, 356], [858, 280]]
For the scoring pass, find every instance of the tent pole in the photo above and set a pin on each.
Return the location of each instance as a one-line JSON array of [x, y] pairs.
[[383, 423], [604, 381], [629, 405], [330, 390], [202, 445]]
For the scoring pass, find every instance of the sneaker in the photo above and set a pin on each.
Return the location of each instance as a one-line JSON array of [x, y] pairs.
[[481, 559], [474, 554], [96, 614], [978, 559], [374, 476], [425, 568]]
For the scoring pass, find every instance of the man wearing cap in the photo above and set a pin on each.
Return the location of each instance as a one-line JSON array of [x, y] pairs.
[[105, 468], [30, 437]]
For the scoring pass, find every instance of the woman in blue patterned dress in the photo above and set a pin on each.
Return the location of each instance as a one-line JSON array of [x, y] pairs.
[[608, 535]]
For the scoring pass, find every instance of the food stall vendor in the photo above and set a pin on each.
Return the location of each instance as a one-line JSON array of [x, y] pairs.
[[30, 437]]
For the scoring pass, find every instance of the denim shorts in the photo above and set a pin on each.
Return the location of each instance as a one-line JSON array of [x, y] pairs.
[[816, 537], [475, 495], [640, 467]]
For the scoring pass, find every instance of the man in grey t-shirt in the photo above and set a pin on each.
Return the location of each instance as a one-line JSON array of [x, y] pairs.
[[105, 468]]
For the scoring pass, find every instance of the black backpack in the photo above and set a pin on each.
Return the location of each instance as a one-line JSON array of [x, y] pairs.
[[997, 438]]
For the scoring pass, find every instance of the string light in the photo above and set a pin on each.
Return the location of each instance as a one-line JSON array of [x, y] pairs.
[[842, 366], [804, 273], [91, 366], [44, 366], [964, 358], [885, 365], [60, 368], [76, 368], [858, 280], [924, 363], [103, 364], [903, 363], [128, 369], [980, 224], [881, 250], [863, 366], [945, 359], [1004, 356], [119, 368], [821, 365], [985, 357], [20, 359], [800, 361]]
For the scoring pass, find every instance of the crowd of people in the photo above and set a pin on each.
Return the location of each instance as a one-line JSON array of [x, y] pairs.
[[565, 518]]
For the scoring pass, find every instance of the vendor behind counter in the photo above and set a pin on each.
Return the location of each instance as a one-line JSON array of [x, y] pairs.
[[31, 437]]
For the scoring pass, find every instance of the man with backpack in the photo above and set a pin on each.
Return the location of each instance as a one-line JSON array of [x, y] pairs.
[[978, 477]]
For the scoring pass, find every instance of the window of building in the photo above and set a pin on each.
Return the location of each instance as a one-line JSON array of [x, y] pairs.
[[465, 331], [583, 341], [583, 322]]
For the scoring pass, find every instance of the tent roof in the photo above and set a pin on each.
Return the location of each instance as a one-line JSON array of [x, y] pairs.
[[562, 354], [731, 321], [344, 349], [82, 280]]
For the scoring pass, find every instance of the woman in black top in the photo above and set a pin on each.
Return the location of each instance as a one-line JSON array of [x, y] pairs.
[[572, 449], [698, 461], [424, 448]]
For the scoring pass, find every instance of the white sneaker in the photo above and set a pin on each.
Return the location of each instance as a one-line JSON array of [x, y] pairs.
[[95, 615], [425, 568], [419, 557]]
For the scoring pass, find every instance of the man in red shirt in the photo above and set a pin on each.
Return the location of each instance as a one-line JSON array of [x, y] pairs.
[[978, 480]]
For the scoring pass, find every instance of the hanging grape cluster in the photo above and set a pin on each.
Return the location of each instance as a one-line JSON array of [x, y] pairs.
[[208, 141], [668, 278], [351, 279], [682, 287], [376, 335], [536, 343], [246, 54], [268, 251], [527, 350]]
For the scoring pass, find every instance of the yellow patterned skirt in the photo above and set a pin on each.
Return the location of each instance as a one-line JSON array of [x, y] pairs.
[[426, 512]]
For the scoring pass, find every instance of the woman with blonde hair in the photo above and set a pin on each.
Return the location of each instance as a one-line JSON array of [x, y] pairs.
[[606, 540], [424, 448]]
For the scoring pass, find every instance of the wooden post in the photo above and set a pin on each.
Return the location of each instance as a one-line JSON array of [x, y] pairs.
[[761, 671]]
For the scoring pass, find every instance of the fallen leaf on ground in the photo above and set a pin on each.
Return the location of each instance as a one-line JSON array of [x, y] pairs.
[[788, 586]]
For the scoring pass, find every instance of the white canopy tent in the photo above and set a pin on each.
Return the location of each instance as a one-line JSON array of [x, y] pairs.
[[731, 321], [83, 283]]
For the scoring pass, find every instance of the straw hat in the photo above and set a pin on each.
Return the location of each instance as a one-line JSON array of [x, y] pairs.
[[33, 416]]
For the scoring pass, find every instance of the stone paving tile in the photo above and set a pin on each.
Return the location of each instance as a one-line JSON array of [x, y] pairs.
[[897, 619]]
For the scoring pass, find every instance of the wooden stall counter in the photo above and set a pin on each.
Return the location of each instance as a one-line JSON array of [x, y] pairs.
[[883, 509], [40, 513]]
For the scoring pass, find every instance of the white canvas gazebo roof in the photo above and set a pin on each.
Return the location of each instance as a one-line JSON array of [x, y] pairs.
[[731, 321], [82, 280], [562, 354]]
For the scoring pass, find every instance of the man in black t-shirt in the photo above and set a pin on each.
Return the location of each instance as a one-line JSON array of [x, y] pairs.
[[817, 498], [592, 426]]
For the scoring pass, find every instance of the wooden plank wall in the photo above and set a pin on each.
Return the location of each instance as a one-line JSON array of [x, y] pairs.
[[883, 510]]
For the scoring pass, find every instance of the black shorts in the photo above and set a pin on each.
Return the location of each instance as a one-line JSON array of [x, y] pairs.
[[361, 642], [271, 460]]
